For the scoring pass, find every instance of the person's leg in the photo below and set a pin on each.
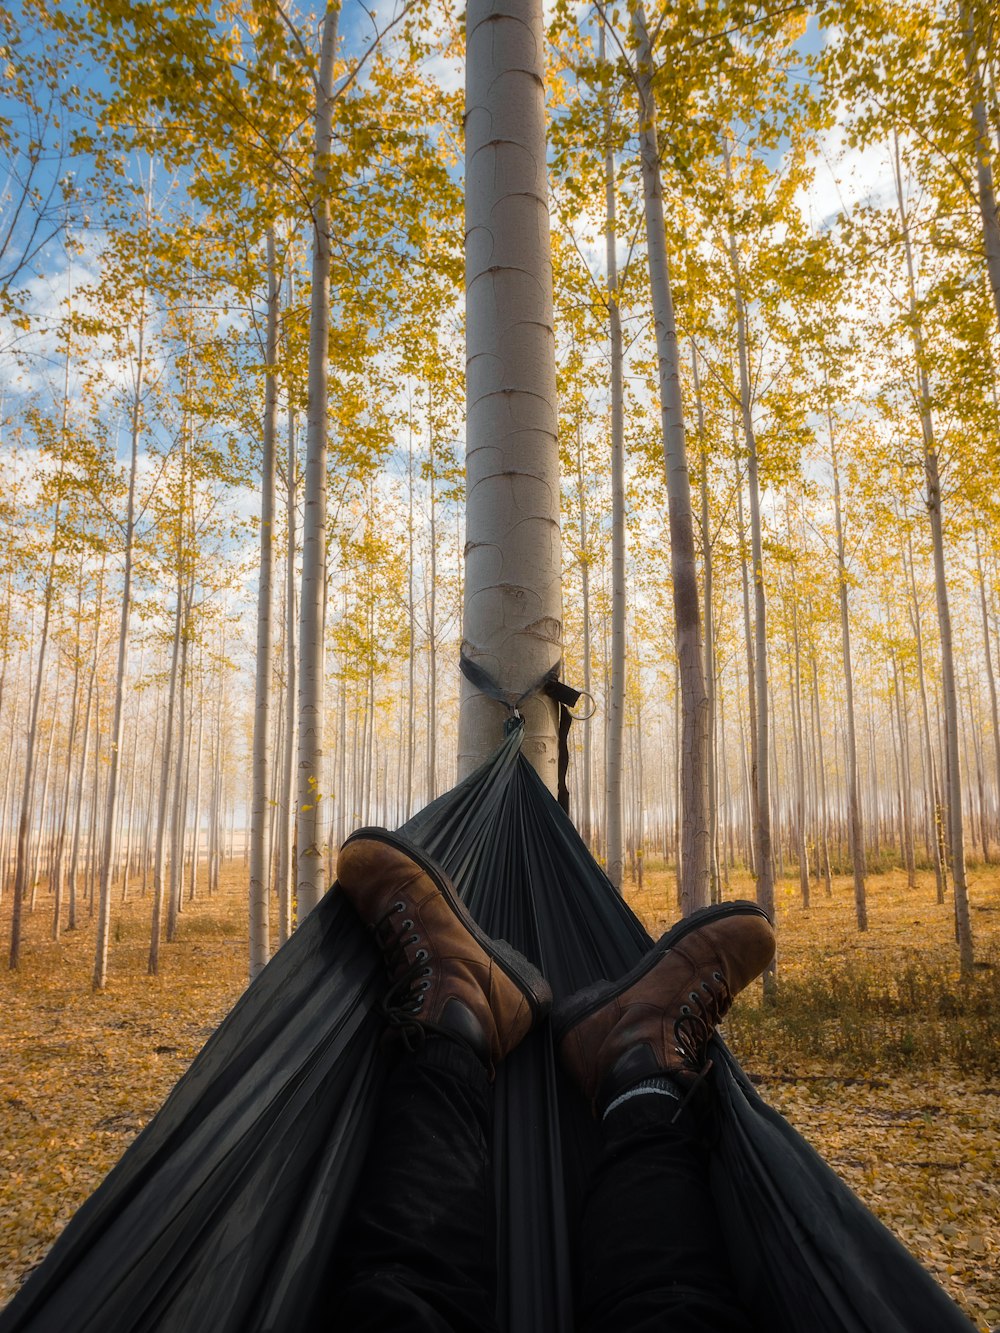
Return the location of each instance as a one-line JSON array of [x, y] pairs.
[[419, 1254], [650, 1247], [420, 1250], [650, 1253]]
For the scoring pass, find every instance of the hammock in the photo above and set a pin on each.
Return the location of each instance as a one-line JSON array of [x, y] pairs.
[[222, 1216]]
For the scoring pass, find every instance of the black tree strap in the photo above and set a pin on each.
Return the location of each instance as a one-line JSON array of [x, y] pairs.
[[564, 695]]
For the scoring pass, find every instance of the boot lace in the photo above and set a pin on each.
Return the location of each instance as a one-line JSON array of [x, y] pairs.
[[695, 1026], [410, 973]]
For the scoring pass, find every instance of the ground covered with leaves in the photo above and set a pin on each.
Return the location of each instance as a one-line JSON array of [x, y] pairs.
[[874, 1050]]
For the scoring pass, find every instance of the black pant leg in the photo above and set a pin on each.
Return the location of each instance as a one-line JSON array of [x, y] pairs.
[[419, 1252], [651, 1254]]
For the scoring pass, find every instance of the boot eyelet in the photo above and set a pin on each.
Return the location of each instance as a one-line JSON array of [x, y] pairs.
[[718, 976], [426, 972], [407, 925], [693, 996], [424, 985], [413, 939], [399, 907], [685, 1009], [421, 954]]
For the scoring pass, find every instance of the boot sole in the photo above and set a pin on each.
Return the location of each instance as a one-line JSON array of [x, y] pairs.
[[574, 1010], [521, 971]]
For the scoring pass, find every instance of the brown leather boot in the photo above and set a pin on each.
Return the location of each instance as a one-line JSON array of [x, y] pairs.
[[660, 1016], [446, 974]]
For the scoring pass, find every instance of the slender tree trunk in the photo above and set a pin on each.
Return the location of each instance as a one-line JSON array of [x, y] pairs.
[[990, 676], [821, 764], [710, 676], [963, 922], [432, 625], [753, 859], [409, 739], [512, 622], [100, 976], [762, 756], [24, 821], [586, 798], [287, 803], [930, 769], [984, 158], [906, 784], [855, 825], [614, 769], [309, 865], [159, 864], [58, 866], [684, 574], [800, 773], [260, 898]]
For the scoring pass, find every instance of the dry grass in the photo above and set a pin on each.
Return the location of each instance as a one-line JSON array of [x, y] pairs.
[[874, 1051]]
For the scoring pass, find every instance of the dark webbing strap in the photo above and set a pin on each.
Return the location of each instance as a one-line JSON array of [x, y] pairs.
[[549, 684]]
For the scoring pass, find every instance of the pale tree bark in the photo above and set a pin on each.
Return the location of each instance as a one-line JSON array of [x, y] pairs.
[[309, 865], [160, 855], [855, 824], [287, 803], [432, 615], [260, 941], [695, 849], [512, 619], [58, 862], [930, 767], [24, 821], [751, 775], [762, 751], [74, 859], [100, 976], [963, 921], [983, 154], [409, 740], [614, 759], [824, 817], [586, 796], [196, 809], [799, 747], [906, 784], [710, 674], [990, 676]]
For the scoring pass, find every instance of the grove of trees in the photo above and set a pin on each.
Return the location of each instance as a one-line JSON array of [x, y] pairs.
[[759, 399]]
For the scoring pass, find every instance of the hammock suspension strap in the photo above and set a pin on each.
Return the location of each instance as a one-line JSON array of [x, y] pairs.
[[565, 696]]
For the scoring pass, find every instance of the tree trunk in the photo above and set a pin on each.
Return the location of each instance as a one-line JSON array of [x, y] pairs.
[[586, 797], [855, 825], [309, 865], [963, 922], [260, 811], [930, 768], [24, 821], [159, 863], [614, 768], [695, 848], [287, 803], [512, 622], [984, 160], [762, 755], [710, 676], [990, 677], [104, 911]]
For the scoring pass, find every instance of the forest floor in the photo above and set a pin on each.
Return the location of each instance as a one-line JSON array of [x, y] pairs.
[[874, 1051]]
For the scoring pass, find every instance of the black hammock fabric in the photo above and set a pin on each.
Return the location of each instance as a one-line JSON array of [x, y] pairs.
[[223, 1215]]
